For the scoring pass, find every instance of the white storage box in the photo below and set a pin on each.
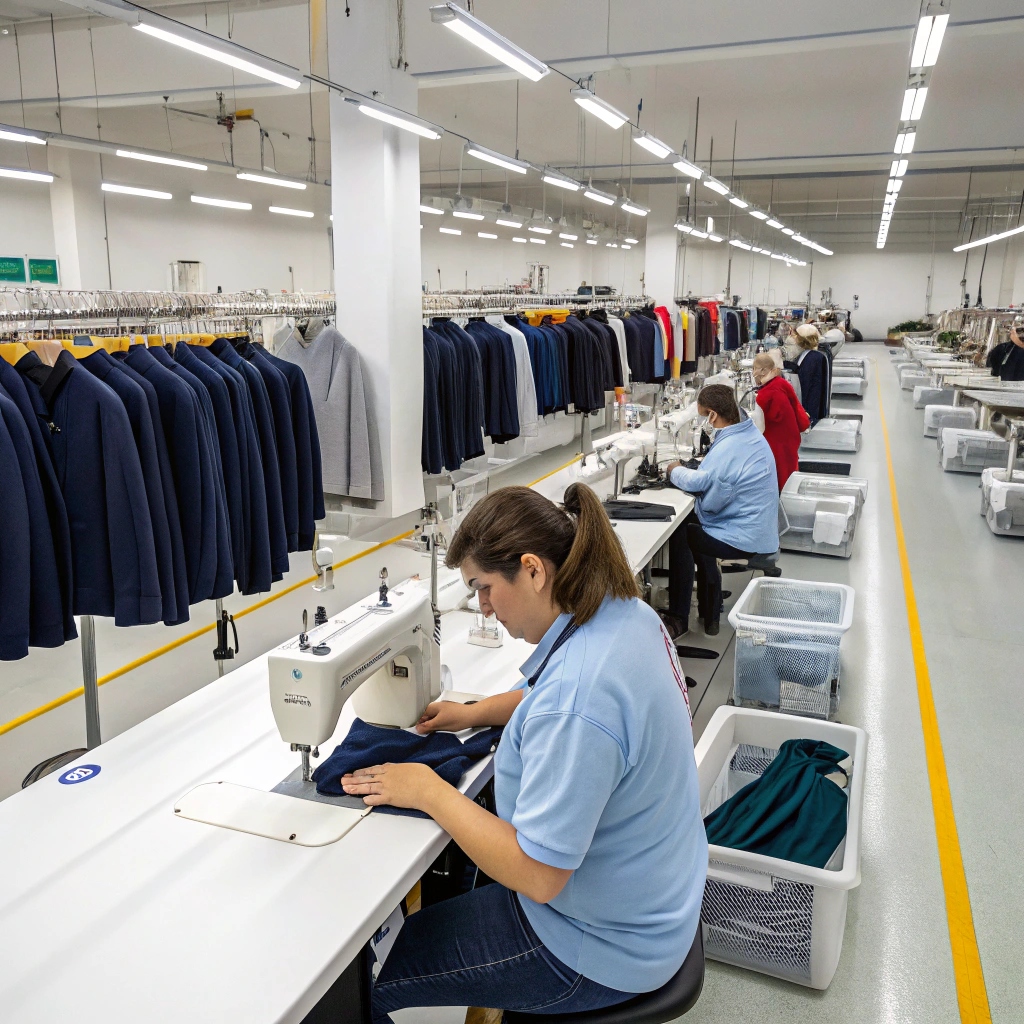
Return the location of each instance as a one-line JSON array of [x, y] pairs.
[[849, 366], [991, 474], [838, 435], [938, 416], [1005, 512], [765, 914], [970, 451], [817, 525], [909, 379], [849, 386], [788, 634], [925, 394]]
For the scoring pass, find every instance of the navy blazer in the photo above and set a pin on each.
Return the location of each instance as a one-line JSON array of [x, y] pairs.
[[431, 455], [14, 388], [98, 468], [15, 545]]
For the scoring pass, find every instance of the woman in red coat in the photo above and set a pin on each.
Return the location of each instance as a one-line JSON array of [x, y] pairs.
[[784, 417]]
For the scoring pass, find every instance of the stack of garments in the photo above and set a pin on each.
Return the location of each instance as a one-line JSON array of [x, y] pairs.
[[137, 484]]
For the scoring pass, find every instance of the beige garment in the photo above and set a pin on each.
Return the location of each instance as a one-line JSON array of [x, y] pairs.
[[48, 351]]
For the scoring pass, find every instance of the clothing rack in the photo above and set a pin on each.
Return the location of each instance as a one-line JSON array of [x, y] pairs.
[[484, 303]]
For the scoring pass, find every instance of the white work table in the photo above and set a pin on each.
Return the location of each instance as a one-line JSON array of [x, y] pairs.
[[114, 910]]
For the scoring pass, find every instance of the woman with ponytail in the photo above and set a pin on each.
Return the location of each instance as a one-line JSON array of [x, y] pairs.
[[597, 850]]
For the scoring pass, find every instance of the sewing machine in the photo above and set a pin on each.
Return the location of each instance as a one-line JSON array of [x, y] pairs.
[[384, 655]]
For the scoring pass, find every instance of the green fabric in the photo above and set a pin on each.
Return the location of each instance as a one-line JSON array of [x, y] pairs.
[[791, 812]]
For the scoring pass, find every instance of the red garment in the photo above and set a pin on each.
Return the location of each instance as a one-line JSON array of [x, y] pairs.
[[663, 315], [784, 420]]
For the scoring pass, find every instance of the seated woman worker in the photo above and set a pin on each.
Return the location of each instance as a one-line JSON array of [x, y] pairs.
[[598, 849]]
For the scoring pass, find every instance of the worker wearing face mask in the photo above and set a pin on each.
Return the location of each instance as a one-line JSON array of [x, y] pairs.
[[736, 512]]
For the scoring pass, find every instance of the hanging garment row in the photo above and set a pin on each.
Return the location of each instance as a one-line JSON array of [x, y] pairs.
[[137, 483]]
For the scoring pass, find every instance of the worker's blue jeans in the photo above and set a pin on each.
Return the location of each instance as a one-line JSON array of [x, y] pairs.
[[478, 949]]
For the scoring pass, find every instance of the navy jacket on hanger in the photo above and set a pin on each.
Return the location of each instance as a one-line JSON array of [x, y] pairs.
[[104, 368], [471, 398], [452, 399], [431, 453], [14, 388], [15, 545], [192, 463], [498, 370], [97, 463], [259, 408]]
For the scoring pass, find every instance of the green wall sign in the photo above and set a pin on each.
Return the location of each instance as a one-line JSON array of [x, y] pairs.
[[43, 271], [12, 269]]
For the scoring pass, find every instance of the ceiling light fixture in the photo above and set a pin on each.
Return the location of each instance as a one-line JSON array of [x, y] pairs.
[[485, 234], [568, 238], [462, 23], [632, 241], [698, 234], [598, 196], [624, 246], [539, 241], [714, 238], [450, 231], [927, 40], [913, 103], [561, 181], [509, 223], [466, 215], [539, 230], [129, 190], [716, 186], [905, 142], [758, 214], [610, 245], [228, 204], [736, 201], [684, 227], [14, 172], [395, 117], [599, 108], [772, 223], [264, 179], [13, 135], [684, 166], [898, 169], [507, 162], [287, 211], [591, 241], [788, 231], [566, 245], [894, 185], [431, 209], [990, 238], [516, 238], [739, 244], [131, 154], [652, 145], [630, 207]]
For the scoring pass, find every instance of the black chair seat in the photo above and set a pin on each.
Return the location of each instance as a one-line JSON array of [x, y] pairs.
[[758, 563], [672, 1000]]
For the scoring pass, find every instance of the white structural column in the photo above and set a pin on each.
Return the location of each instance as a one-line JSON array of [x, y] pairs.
[[375, 184], [662, 245], [79, 232]]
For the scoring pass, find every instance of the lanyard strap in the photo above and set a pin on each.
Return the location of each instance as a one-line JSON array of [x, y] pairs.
[[570, 628]]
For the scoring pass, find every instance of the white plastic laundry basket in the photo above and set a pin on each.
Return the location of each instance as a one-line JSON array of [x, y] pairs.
[[788, 634], [762, 913], [938, 416]]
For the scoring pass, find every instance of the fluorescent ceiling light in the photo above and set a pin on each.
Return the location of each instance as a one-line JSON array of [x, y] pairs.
[[908, 103], [466, 215], [624, 246], [739, 244], [561, 181], [922, 95], [509, 223], [610, 245], [14, 172], [266, 179], [398, 118], [931, 55], [894, 185], [905, 143], [652, 145], [287, 211], [758, 214], [990, 238], [698, 234], [632, 241], [539, 241], [485, 234], [129, 190], [507, 162], [714, 238], [228, 204], [716, 186], [801, 240], [630, 207], [898, 169], [222, 50], [591, 241], [684, 166], [684, 227], [927, 40], [566, 245], [772, 223], [476, 32], [450, 231], [568, 238], [599, 108], [736, 201], [13, 135], [599, 196], [151, 158], [539, 230], [518, 239], [433, 209], [788, 231], [822, 249], [709, 225]]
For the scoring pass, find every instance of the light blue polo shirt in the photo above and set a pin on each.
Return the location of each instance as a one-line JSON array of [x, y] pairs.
[[596, 772]]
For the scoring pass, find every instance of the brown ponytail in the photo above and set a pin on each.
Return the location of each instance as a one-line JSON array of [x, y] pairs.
[[576, 538]]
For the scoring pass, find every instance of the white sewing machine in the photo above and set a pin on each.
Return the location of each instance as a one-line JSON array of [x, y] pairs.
[[384, 654]]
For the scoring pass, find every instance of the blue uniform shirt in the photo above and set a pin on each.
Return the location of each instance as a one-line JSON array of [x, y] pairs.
[[737, 489], [596, 772]]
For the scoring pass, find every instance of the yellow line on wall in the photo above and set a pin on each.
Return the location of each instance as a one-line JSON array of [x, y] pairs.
[[971, 993]]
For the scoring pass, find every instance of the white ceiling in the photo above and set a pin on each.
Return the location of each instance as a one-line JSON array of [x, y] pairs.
[[811, 90]]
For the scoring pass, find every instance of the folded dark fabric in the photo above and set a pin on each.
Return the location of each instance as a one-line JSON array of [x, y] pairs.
[[639, 510], [368, 745], [792, 811]]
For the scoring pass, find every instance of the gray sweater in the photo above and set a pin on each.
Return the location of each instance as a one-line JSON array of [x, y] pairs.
[[345, 420]]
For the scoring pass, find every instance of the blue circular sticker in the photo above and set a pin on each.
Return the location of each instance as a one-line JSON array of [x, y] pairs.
[[80, 774], [296, 673]]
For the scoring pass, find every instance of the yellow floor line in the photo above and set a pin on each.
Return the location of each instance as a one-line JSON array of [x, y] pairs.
[[971, 994]]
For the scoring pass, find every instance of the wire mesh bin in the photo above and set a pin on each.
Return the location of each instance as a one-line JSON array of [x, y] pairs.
[[938, 416], [925, 394], [910, 378], [788, 634], [970, 451], [833, 435], [1005, 512], [768, 915]]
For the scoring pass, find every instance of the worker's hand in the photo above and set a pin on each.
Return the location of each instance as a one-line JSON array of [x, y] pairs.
[[671, 466], [446, 716], [400, 785]]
